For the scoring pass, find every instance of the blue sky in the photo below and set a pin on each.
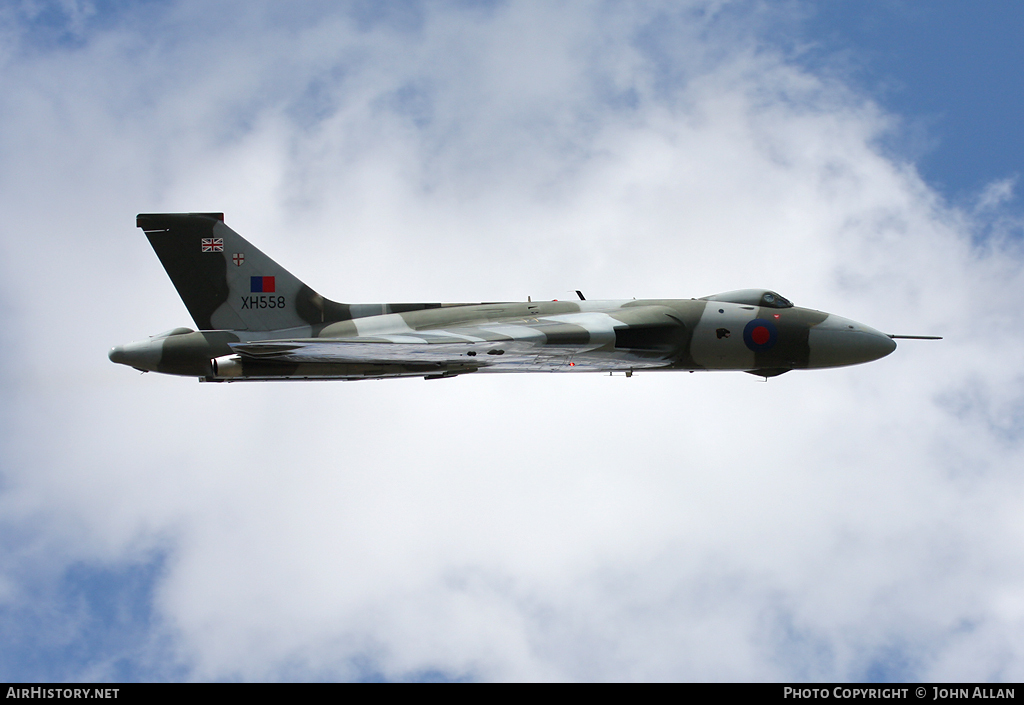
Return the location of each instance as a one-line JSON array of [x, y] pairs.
[[940, 67], [944, 67], [859, 524]]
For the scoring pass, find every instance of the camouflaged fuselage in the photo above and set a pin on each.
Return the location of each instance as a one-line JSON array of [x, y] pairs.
[[258, 322]]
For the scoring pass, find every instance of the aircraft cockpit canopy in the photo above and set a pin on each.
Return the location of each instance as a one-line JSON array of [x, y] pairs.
[[753, 297]]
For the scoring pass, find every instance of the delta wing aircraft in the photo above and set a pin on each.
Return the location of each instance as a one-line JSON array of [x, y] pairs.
[[257, 321]]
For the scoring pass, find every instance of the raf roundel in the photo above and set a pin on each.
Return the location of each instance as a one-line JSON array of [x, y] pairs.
[[760, 335]]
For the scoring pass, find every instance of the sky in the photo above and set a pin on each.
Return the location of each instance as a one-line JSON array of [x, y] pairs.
[[857, 524]]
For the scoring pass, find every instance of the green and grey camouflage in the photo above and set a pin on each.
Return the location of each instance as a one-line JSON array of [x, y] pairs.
[[257, 321]]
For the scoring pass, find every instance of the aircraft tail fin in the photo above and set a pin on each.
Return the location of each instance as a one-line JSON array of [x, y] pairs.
[[228, 284]]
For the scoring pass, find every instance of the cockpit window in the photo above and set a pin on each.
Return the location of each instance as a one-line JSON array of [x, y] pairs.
[[773, 300], [753, 297]]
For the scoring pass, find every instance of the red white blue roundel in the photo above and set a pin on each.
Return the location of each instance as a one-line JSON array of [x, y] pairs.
[[760, 335]]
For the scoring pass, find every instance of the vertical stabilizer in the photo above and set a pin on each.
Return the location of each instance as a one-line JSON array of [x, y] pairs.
[[225, 282]]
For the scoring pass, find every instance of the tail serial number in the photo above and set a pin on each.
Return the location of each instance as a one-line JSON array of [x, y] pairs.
[[262, 302]]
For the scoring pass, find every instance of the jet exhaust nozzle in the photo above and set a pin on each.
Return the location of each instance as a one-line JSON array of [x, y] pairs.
[[227, 367]]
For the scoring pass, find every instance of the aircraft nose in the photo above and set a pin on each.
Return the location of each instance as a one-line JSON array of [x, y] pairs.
[[837, 342], [874, 345], [117, 355]]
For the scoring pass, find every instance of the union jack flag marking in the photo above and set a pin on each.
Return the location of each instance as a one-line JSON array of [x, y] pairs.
[[213, 244]]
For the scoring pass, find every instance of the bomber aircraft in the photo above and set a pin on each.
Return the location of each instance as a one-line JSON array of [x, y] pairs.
[[256, 321]]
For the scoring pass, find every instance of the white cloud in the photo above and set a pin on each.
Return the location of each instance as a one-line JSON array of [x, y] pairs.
[[996, 193], [831, 525]]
